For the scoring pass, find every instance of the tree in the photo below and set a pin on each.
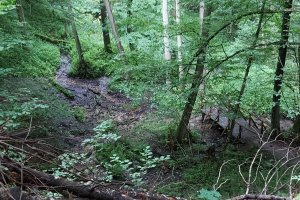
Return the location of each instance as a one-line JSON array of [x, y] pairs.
[[129, 26], [167, 54], [249, 64], [182, 129], [282, 52], [179, 39], [105, 32], [21, 16], [114, 28], [296, 126], [82, 68]]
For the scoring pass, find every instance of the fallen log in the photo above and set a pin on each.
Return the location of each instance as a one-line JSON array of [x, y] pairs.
[[259, 197], [34, 177], [62, 89], [51, 40], [16, 193]]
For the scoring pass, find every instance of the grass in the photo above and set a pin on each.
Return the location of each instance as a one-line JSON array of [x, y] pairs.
[[38, 59], [204, 174]]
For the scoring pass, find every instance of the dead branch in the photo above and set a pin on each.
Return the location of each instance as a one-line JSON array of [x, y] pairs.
[[38, 178]]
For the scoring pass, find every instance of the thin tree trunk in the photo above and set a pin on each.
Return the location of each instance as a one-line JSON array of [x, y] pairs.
[[199, 60], [179, 40], [66, 29], [282, 52], [249, 64], [182, 129], [105, 32], [129, 26], [21, 16], [114, 28], [167, 54], [82, 71], [296, 126], [201, 15]]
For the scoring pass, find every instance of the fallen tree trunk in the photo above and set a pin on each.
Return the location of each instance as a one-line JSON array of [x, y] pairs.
[[51, 40], [16, 193], [259, 197], [33, 177]]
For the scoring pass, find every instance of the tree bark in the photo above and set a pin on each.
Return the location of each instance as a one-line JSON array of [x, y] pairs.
[[82, 71], [114, 28], [296, 126], [182, 129], [105, 32], [179, 39], [249, 64], [167, 54], [282, 52], [129, 26], [21, 16]]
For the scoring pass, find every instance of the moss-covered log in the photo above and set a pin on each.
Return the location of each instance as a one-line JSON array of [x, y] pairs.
[[61, 89]]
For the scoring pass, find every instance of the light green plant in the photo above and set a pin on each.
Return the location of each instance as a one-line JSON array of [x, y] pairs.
[[114, 156], [10, 118], [209, 194], [67, 163]]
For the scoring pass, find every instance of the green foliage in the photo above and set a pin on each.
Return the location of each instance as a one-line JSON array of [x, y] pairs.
[[46, 120], [80, 114], [67, 163], [203, 173], [209, 194], [12, 154], [6, 6], [38, 59], [98, 63], [11, 117], [117, 155]]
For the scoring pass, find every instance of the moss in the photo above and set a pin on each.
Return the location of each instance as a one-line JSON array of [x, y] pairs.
[[61, 89], [80, 114]]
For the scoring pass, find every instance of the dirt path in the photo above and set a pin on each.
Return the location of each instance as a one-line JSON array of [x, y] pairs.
[[98, 101]]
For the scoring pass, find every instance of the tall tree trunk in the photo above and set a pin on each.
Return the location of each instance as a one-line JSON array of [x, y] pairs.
[[82, 71], [249, 64], [105, 32], [182, 129], [282, 51], [179, 39], [21, 16], [129, 26], [114, 28], [199, 59], [167, 54], [296, 126]]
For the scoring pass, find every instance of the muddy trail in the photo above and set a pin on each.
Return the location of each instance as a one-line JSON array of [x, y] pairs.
[[98, 101]]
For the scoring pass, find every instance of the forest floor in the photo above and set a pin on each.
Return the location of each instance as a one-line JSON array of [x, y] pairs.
[[100, 103], [69, 121]]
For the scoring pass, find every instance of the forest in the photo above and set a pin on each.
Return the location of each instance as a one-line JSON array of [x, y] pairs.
[[149, 99]]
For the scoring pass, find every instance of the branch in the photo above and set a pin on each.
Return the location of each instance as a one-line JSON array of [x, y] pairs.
[[261, 197], [38, 178], [206, 43]]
